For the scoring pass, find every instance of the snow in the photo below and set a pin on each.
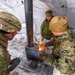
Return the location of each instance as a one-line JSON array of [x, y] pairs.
[[16, 48]]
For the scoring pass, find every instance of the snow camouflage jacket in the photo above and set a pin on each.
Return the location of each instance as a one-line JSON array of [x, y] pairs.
[[45, 32], [63, 54], [4, 55]]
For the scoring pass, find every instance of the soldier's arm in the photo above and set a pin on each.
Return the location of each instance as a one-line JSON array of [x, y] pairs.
[[3, 61], [50, 43], [67, 57]]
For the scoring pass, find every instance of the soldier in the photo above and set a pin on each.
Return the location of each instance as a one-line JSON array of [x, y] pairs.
[[63, 53], [45, 32], [9, 25]]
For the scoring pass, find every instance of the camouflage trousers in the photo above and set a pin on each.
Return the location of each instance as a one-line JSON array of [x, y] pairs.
[[57, 72]]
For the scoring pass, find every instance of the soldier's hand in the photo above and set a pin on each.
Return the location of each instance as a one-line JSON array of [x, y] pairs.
[[15, 73], [51, 39], [42, 38], [43, 56]]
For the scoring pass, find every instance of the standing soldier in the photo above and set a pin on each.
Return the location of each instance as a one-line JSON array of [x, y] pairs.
[[45, 32], [9, 25]]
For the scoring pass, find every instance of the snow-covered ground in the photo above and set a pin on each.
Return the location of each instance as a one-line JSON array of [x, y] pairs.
[[16, 48]]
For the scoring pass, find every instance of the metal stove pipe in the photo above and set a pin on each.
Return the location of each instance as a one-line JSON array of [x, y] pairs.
[[31, 51], [29, 21]]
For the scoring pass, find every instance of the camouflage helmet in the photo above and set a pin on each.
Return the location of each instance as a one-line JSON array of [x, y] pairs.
[[9, 22]]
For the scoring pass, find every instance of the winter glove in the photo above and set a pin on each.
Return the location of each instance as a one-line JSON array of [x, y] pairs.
[[13, 64]]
